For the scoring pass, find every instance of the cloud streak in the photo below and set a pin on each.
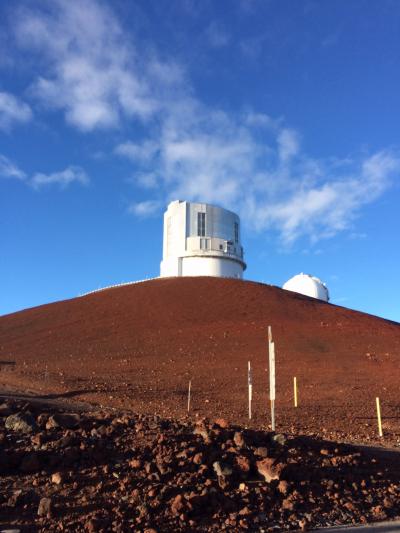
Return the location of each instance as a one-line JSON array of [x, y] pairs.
[[244, 160], [265, 177], [13, 111], [8, 169], [63, 178], [144, 209]]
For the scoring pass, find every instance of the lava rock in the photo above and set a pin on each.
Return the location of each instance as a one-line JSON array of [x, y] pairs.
[[63, 420], [269, 469], [22, 422], [45, 507], [222, 469]]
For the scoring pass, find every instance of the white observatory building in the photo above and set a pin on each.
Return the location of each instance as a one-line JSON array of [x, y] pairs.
[[309, 286], [201, 240]]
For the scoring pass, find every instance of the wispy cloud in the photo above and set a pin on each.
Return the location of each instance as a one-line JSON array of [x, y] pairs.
[[137, 152], [144, 209], [246, 161], [63, 178], [8, 169], [13, 111], [91, 71], [214, 157]]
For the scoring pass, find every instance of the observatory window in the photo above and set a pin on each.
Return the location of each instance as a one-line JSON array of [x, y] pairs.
[[201, 224], [236, 232], [204, 244]]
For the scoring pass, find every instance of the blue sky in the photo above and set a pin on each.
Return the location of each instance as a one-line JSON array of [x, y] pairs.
[[285, 111]]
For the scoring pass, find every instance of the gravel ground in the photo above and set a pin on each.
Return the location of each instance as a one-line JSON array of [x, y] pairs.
[[116, 471]]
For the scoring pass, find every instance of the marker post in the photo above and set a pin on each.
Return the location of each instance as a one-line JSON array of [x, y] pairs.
[[378, 412], [271, 352], [189, 396], [250, 386]]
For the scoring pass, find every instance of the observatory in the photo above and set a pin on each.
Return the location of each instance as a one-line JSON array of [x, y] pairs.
[[201, 240], [309, 286]]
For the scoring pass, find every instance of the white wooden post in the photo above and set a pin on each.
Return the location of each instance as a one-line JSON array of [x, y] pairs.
[[250, 384], [189, 393], [271, 351]]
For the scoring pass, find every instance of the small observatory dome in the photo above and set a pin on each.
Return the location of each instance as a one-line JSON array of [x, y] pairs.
[[308, 285]]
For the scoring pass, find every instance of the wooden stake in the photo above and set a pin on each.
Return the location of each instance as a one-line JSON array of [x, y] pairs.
[[250, 384], [189, 391], [273, 415], [295, 391], [271, 351], [378, 411]]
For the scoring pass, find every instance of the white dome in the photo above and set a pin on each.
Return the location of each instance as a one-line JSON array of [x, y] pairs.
[[308, 285]]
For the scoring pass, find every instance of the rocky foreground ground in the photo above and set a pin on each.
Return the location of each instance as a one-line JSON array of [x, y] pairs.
[[109, 471]]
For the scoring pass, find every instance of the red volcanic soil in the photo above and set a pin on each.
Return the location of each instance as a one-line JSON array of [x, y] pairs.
[[137, 346]]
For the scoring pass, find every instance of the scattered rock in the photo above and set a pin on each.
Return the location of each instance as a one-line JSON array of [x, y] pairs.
[[15, 498], [22, 422], [222, 423], [280, 438], [165, 478], [57, 478], [198, 458], [177, 505], [45, 507], [222, 469], [283, 486], [238, 439], [63, 420], [270, 469]]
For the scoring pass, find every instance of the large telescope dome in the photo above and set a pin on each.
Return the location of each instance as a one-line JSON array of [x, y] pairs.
[[308, 285], [201, 240]]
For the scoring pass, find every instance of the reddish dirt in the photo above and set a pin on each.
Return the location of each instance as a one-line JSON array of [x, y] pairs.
[[136, 347], [103, 471]]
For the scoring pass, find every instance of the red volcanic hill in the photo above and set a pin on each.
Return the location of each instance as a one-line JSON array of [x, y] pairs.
[[137, 346]]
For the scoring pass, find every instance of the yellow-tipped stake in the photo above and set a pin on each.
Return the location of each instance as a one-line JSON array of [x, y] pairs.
[[189, 394], [378, 412], [295, 391]]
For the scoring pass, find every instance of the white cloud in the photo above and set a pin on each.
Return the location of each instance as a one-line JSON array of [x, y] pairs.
[[8, 169], [63, 178], [288, 144], [246, 161], [91, 70], [144, 209], [141, 152], [210, 156], [13, 111]]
